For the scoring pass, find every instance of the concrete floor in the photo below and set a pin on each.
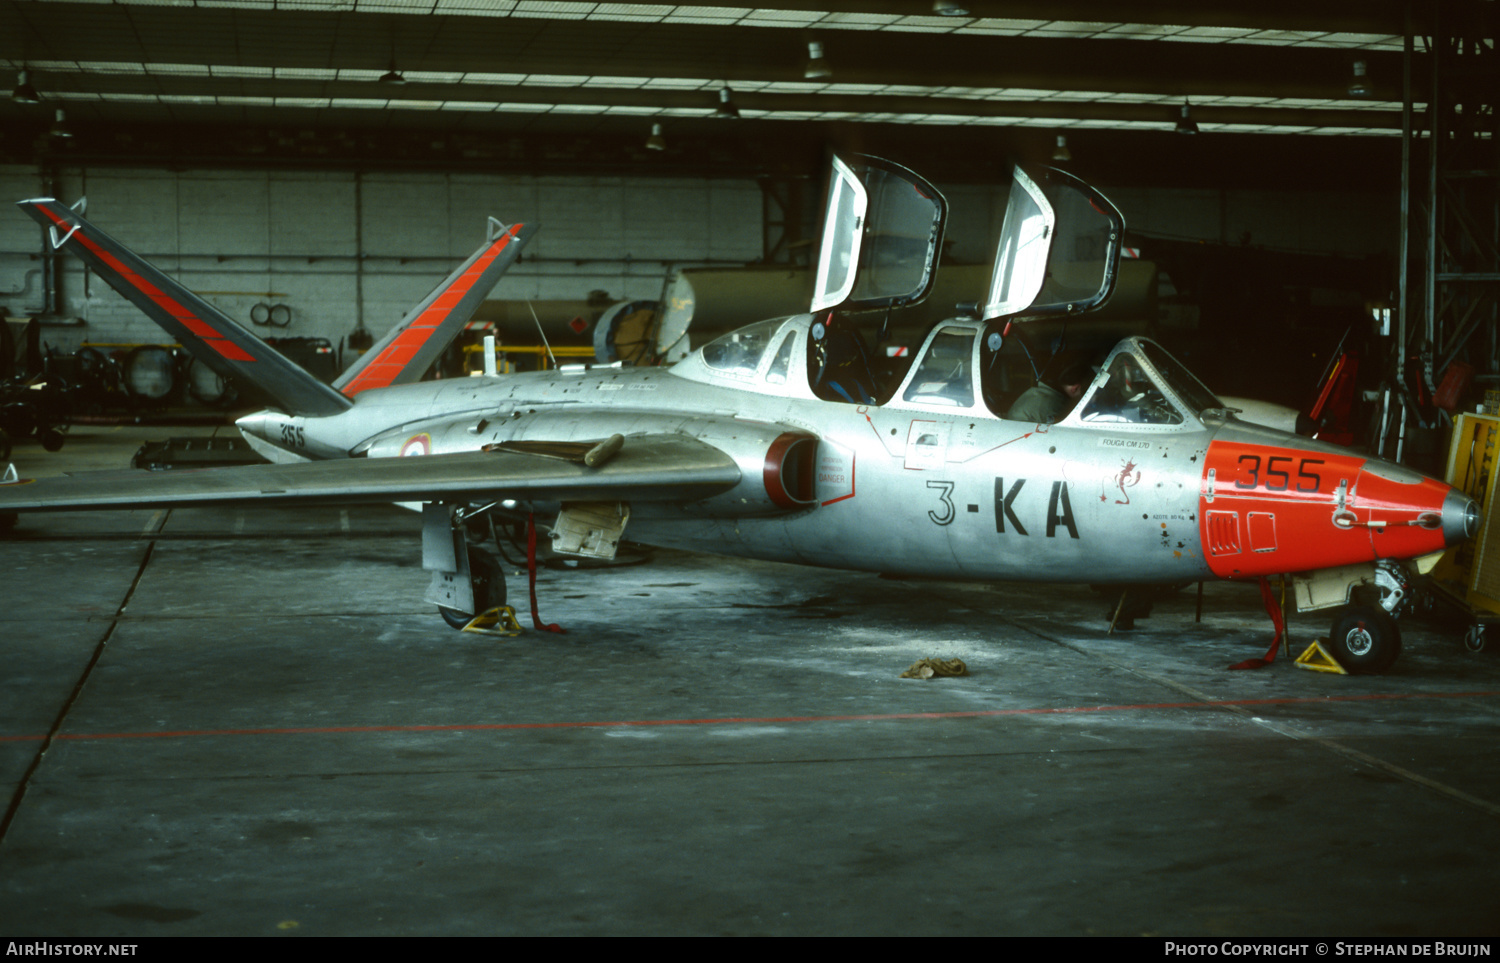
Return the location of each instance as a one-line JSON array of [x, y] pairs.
[[259, 727]]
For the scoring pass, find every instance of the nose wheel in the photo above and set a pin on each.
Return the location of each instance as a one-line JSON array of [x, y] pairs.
[[1365, 639]]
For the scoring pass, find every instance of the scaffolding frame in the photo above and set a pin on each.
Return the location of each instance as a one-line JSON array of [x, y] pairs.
[[1452, 311]]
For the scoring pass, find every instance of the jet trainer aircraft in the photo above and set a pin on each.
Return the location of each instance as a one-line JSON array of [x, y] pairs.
[[780, 441]]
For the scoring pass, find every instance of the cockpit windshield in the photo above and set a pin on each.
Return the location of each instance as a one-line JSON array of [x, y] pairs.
[[1183, 382], [1143, 385], [740, 352], [945, 376], [1128, 396]]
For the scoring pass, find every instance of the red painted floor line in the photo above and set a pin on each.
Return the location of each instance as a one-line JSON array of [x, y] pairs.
[[759, 720]]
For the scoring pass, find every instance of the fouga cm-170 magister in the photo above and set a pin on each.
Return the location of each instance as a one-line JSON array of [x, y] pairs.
[[782, 441]]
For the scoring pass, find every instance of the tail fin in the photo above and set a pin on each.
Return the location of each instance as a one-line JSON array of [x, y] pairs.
[[411, 347], [202, 329]]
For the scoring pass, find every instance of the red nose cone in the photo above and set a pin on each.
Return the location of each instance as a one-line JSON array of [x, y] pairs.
[[1403, 510], [1266, 510]]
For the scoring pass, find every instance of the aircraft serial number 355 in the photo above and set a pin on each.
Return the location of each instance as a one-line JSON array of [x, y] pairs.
[[1279, 479]]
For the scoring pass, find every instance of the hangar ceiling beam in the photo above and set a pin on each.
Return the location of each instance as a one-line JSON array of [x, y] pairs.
[[322, 41], [533, 69]]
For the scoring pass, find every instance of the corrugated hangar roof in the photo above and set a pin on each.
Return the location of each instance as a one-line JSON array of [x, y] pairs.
[[487, 71]]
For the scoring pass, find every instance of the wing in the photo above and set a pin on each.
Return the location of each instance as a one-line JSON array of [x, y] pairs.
[[646, 468]]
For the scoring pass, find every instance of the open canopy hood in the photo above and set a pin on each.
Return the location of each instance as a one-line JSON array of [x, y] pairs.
[[1058, 251], [882, 232]]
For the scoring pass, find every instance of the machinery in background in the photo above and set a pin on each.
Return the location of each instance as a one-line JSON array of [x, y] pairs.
[[1466, 584], [700, 304]]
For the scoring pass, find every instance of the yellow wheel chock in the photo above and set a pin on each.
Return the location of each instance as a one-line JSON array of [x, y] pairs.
[[499, 622], [1317, 659]]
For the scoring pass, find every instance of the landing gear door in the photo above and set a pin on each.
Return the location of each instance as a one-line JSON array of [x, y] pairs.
[[1059, 248], [882, 232]]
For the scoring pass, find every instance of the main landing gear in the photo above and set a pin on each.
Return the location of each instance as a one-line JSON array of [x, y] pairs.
[[486, 585], [466, 580]]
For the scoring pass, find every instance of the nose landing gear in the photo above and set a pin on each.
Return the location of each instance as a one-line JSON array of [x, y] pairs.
[[1365, 639]]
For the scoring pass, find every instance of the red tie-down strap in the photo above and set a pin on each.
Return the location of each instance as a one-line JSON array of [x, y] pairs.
[[536, 618], [1273, 609]]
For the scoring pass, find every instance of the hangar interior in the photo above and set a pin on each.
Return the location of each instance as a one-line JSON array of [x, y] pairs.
[[249, 721]]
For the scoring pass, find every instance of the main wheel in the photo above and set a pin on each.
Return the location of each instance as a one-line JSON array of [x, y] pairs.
[[1365, 639], [488, 582], [52, 437], [455, 618], [1474, 639]]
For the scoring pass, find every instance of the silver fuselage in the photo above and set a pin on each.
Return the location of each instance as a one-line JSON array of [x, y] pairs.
[[904, 487]]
